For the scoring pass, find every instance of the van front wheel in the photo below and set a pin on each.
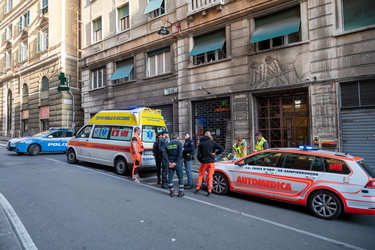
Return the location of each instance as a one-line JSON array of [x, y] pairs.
[[121, 167]]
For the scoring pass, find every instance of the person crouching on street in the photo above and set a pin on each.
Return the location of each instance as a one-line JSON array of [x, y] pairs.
[[207, 150], [173, 156]]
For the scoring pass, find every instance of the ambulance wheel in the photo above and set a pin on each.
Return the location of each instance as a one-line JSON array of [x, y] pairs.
[[220, 184], [325, 205], [34, 149], [121, 167], [71, 156]]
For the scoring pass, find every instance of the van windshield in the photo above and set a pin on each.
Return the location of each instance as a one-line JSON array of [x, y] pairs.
[[149, 132]]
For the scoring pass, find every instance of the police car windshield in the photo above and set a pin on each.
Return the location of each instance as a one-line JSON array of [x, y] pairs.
[[367, 168], [42, 133]]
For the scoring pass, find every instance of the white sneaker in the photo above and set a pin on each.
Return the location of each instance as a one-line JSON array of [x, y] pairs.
[[136, 180]]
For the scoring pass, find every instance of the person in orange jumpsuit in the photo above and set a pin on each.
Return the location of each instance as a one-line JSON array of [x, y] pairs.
[[136, 149], [207, 150]]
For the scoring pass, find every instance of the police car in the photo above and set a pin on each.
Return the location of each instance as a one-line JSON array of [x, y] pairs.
[[329, 183], [52, 140]]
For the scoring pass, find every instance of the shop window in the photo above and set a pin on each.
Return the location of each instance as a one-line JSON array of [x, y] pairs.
[[159, 62], [358, 14], [208, 48], [97, 78], [277, 29], [124, 19]]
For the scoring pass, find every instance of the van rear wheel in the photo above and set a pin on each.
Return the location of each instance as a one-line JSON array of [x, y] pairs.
[[121, 166]]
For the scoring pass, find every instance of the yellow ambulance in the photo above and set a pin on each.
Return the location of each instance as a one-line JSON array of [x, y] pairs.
[[105, 139]]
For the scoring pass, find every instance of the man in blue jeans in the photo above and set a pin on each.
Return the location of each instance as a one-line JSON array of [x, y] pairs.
[[188, 156]]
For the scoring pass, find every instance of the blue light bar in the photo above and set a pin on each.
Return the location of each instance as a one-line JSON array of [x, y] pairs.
[[306, 147]]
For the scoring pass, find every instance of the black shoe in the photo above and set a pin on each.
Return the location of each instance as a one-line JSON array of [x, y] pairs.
[[180, 194], [188, 186], [209, 194], [171, 194], [164, 186], [196, 191]]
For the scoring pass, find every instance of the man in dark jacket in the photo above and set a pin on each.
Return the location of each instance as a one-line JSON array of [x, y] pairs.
[[158, 154], [188, 156], [173, 156], [207, 150], [164, 165]]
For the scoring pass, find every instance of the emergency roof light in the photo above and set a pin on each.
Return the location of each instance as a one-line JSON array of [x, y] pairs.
[[307, 147]]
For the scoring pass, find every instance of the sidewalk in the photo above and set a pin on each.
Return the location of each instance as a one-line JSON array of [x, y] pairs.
[[8, 237]]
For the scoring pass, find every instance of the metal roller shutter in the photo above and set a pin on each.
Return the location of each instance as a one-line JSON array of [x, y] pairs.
[[358, 133], [167, 113]]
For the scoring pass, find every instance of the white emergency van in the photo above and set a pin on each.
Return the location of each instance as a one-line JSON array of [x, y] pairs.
[[105, 139]]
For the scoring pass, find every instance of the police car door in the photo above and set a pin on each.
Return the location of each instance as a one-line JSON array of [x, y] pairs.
[[296, 175], [256, 175], [54, 142]]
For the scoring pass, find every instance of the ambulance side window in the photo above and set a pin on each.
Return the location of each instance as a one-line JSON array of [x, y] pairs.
[[101, 132], [335, 166], [84, 132], [298, 161], [268, 159], [121, 133]]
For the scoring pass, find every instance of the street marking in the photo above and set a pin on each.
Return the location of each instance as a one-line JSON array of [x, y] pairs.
[[17, 226], [238, 213], [53, 160]]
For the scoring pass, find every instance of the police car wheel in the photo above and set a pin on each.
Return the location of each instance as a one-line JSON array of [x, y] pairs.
[[220, 184], [121, 167], [71, 156], [34, 149], [325, 205]]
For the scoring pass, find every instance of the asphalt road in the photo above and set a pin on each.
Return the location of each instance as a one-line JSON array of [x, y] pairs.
[[85, 206]]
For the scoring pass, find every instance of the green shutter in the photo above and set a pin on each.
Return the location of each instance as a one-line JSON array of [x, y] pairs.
[[97, 24], [158, 51], [123, 12], [275, 25], [123, 69], [210, 42], [358, 13], [38, 42], [152, 5]]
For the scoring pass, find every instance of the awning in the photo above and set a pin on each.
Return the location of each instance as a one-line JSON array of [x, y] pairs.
[[279, 24], [123, 69], [153, 5], [209, 42]]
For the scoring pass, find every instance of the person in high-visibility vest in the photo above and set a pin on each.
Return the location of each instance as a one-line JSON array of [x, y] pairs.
[[136, 149], [261, 143], [240, 148]]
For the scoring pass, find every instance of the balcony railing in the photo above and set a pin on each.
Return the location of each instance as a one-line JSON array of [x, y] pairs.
[[200, 5]]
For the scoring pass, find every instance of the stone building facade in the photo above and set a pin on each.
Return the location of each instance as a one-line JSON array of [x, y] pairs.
[[299, 71], [39, 41]]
